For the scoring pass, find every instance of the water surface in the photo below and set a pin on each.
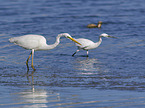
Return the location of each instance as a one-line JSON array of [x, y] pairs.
[[112, 76]]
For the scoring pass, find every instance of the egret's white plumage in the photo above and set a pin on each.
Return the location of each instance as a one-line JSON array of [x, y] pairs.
[[37, 42], [87, 44]]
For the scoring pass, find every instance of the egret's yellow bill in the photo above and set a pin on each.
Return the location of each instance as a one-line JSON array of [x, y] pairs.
[[74, 40]]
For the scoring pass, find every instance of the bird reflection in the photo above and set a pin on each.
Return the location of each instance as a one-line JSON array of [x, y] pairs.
[[30, 78], [37, 98], [88, 66]]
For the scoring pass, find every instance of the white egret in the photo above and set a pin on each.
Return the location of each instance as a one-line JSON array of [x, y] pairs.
[[88, 44], [37, 42]]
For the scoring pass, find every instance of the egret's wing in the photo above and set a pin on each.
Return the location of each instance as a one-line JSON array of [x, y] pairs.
[[84, 43], [28, 41]]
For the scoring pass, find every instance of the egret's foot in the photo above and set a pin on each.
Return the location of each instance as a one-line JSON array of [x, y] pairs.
[[27, 69], [74, 54], [33, 68]]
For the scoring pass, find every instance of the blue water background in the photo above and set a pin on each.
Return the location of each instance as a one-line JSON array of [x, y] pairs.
[[112, 76]]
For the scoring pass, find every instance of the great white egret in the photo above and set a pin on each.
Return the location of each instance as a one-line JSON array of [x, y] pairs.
[[37, 42], [87, 44]]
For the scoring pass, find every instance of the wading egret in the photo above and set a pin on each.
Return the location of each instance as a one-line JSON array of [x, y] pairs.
[[88, 44], [37, 42]]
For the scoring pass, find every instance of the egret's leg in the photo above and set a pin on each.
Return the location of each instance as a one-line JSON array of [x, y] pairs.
[[28, 61], [87, 53], [32, 60], [75, 52]]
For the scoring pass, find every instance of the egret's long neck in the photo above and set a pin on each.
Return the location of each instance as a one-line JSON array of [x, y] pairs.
[[99, 42], [56, 42], [48, 47]]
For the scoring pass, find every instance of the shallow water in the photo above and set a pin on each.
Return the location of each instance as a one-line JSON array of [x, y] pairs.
[[112, 76]]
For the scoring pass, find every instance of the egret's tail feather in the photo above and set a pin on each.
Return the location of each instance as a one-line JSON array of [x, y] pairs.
[[12, 40]]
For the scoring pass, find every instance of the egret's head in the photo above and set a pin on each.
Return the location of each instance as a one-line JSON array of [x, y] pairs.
[[106, 35], [69, 37], [64, 34]]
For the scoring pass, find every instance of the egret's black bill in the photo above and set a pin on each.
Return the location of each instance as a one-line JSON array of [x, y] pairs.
[[112, 37]]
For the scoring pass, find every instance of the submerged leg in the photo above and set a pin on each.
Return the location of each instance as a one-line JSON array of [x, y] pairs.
[[87, 53], [28, 61], [32, 60], [75, 52]]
